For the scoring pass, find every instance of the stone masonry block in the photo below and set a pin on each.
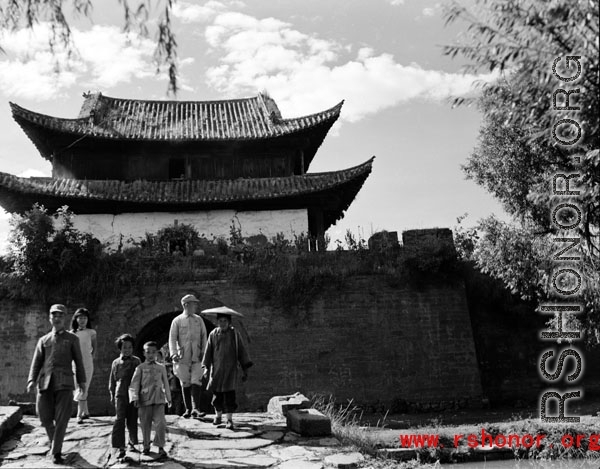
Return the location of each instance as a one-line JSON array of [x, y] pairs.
[[10, 416], [280, 405], [308, 422]]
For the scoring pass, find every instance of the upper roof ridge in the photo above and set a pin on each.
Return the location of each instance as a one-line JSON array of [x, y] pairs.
[[178, 101], [106, 117]]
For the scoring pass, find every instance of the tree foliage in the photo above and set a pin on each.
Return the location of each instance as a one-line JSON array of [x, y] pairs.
[[16, 14], [520, 39], [517, 157], [47, 249]]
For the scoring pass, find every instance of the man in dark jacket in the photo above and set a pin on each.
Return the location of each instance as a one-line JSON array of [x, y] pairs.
[[52, 371]]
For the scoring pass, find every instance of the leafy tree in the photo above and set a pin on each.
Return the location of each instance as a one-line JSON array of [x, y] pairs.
[[15, 14], [517, 155], [520, 39], [47, 249]]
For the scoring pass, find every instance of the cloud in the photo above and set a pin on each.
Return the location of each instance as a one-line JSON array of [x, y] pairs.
[[123, 56], [428, 12], [104, 57], [396, 3], [305, 73], [193, 13], [32, 173]]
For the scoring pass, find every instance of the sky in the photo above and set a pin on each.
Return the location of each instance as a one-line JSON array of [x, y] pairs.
[[383, 57]]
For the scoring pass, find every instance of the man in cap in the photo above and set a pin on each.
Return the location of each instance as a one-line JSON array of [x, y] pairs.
[[52, 371], [187, 340]]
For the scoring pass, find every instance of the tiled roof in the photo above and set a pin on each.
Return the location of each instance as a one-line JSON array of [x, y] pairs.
[[237, 119], [183, 194]]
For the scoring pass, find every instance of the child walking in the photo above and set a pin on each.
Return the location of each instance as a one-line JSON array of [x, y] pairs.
[[149, 390], [224, 350], [121, 374]]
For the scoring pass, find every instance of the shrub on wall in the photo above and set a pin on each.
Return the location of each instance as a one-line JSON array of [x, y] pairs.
[[46, 250]]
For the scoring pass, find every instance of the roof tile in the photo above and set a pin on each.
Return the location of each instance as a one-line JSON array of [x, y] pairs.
[[247, 118], [186, 191]]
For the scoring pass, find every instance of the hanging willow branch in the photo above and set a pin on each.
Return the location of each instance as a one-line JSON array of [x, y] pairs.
[[17, 14]]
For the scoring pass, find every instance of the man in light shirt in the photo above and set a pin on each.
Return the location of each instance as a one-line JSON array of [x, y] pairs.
[[187, 341]]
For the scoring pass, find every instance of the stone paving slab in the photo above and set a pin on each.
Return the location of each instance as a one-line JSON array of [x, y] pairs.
[[246, 443], [300, 464], [292, 452], [273, 436], [259, 442], [344, 460]]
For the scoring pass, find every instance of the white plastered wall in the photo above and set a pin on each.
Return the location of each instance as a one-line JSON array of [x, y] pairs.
[[108, 228]]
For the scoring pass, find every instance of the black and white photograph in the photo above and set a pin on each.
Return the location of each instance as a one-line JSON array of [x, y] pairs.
[[283, 234]]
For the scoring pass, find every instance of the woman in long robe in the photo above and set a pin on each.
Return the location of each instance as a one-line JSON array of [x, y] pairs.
[[81, 326], [224, 351]]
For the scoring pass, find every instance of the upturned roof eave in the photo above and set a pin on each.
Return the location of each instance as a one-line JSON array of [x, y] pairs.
[[18, 194], [84, 126]]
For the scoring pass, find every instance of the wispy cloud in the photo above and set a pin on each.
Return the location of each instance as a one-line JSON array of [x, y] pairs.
[[32, 173], [432, 11], [188, 12], [30, 70], [305, 73]]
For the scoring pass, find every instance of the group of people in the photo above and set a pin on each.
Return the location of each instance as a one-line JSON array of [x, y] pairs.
[[137, 389]]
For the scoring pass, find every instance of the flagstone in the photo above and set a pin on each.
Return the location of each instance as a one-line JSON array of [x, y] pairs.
[[291, 437], [254, 461], [36, 449], [290, 452], [273, 436], [9, 446], [237, 434], [87, 458], [236, 453], [217, 464], [191, 455], [15, 455], [344, 460], [247, 443], [300, 464]]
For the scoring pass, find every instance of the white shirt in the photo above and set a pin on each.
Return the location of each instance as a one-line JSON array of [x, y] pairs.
[[187, 338]]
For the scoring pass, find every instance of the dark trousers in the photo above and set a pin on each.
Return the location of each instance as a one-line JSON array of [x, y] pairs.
[[224, 401], [126, 414], [54, 409]]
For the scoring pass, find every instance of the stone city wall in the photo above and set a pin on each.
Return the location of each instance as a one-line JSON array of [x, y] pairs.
[[365, 340]]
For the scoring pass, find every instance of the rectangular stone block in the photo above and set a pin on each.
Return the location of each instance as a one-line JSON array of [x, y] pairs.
[[281, 405], [308, 422], [10, 416]]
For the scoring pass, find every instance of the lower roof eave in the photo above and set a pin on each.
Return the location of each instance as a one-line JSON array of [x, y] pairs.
[[331, 192]]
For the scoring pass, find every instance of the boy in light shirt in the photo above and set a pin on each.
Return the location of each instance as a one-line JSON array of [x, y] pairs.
[[149, 391]]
